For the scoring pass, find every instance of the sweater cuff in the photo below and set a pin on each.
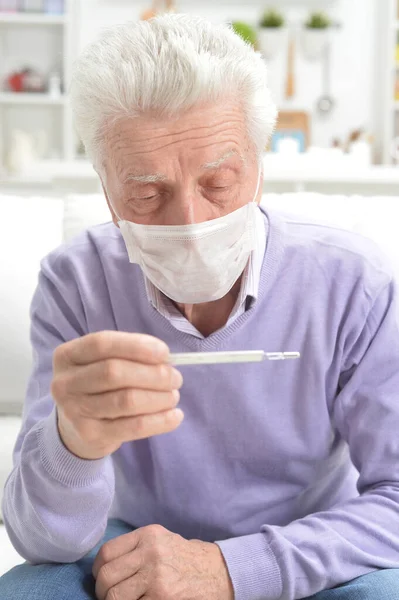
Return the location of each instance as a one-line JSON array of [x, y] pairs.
[[253, 568], [60, 463]]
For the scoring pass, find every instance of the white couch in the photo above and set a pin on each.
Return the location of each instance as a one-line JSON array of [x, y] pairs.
[[31, 227]]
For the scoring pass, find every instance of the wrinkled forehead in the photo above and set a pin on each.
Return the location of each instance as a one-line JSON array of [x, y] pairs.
[[208, 135]]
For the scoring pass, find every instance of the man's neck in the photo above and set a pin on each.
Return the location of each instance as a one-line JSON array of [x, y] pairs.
[[211, 316]]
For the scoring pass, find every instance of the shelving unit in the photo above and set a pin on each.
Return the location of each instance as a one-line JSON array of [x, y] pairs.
[[31, 19], [387, 74], [11, 98], [44, 42]]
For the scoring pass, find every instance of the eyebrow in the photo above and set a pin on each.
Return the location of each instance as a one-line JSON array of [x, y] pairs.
[[215, 164], [146, 178], [156, 177]]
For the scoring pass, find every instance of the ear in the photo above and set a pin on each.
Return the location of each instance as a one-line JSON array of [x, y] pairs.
[[113, 215], [260, 191]]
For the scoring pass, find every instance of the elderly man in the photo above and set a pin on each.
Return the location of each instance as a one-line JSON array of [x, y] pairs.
[[282, 481]]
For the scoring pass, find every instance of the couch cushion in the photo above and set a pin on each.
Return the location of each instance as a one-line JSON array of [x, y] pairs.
[[9, 430], [374, 217], [83, 211], [335, 210], [29, 229], [9, 557]]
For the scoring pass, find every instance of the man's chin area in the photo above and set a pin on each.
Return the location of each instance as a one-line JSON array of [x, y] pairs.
[[224, 304]]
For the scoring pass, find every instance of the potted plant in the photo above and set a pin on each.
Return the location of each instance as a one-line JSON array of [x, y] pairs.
[[246, 31], [272, 33], [316, 35]]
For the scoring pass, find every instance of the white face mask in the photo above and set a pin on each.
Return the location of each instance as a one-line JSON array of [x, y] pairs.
[[194, 263]]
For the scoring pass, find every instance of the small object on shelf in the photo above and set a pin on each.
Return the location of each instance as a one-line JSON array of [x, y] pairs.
[[272, 19], [290, 83], [33, 82], [21, 152], [395, 150], [288, 142], [36, 6], [326, 102], [359, 147], [272, 33], [318, 20], [152, 11], [315, 35], [80, 150], [397, 87], [354, 136], [246, 31], [170, 6], [27, 80], [361, 152], [9, 5], [15, 82], [293, 125], [54, 7], [55, 85]]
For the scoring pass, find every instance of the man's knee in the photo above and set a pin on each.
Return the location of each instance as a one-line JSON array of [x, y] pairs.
[[47, 582], [379, 585]]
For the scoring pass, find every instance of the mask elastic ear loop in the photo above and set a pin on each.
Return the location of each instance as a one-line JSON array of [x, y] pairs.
[[116, 214], [260, 172]]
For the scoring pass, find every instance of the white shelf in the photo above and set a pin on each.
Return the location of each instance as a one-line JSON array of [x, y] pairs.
[[344, 170], [47, 171], [37, 99], [376, 174], [319, 4], [31, 19]]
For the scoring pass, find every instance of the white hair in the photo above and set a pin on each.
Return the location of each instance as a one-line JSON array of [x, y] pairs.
[[167, 65]]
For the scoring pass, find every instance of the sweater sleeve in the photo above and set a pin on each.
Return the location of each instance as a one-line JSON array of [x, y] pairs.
[[55, 505], [325, 549]]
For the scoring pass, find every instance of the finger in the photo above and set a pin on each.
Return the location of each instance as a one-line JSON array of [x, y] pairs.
[[112, 344], [137, 428], [128, 402], [114, 549], [133, 588], [116, 374], [115, 572]]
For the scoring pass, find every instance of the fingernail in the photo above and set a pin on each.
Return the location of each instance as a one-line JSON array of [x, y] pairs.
[[160, 349], [177, 379], [176, 395], [179, 414]]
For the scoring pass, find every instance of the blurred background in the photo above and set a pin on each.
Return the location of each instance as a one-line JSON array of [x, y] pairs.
[[333, 72]]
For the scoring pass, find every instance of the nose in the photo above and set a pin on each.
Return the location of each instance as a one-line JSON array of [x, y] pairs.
[[186, 208]]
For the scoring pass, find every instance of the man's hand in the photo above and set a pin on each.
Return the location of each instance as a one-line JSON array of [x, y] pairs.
[[112, 387], [155, 564]]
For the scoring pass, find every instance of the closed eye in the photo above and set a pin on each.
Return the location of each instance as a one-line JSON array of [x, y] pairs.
[[143, 198], [219, 187]]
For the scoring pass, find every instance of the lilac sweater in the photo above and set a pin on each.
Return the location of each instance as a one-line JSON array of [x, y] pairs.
[[263, 462]]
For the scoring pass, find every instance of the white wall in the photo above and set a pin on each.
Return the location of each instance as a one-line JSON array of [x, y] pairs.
[[352, 55]]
